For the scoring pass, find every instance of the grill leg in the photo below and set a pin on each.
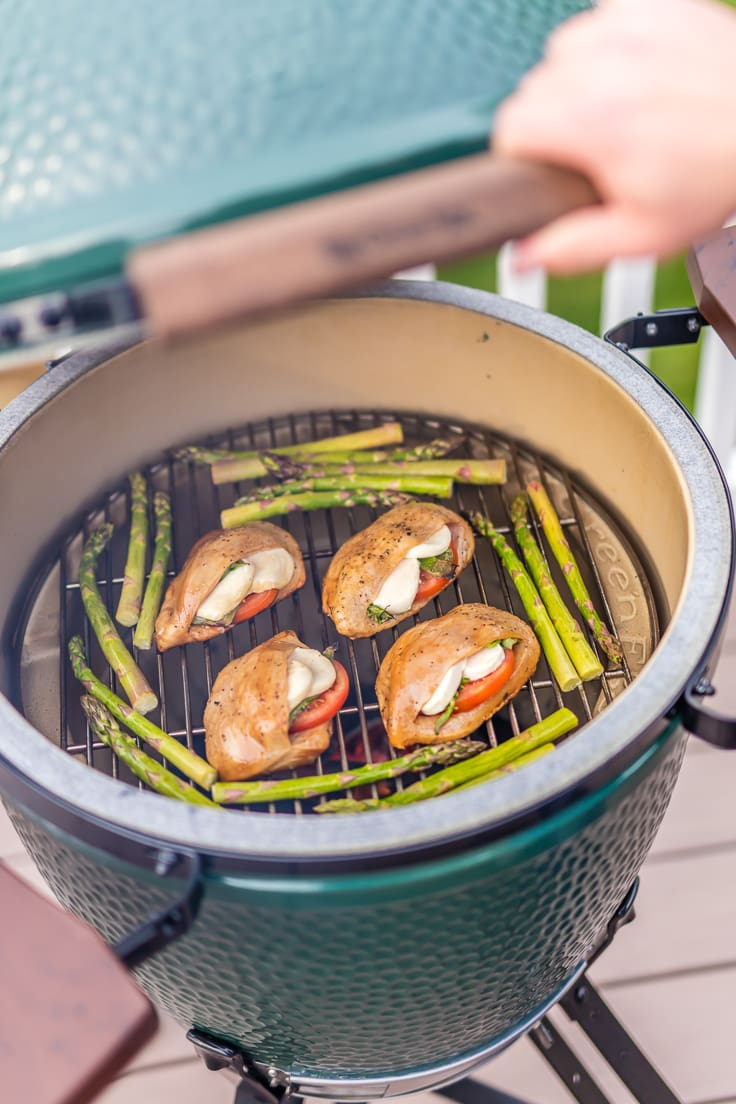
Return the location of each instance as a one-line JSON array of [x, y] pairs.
[[586, 1007], [567, 1065], [468, 1091]]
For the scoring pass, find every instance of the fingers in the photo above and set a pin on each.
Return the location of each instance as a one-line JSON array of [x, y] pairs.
[[585, 241]]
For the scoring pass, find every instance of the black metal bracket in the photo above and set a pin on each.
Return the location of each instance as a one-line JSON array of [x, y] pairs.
[[221, 1057], [170, 923], [624, 914], [714, 728], [680, 326]]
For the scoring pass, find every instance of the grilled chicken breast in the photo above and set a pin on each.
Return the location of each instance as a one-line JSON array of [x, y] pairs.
[[414, 667], [205, 566], [362, 565], [246, 719]]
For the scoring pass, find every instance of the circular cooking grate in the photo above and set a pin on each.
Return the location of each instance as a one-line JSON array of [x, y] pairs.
[[182, 677]]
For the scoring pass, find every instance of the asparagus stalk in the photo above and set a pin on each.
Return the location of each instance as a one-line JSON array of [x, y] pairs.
[[298, 789], [313, 500], [480, 766], [389, 433], [317, 451], [178, 754], [485, 472], [129, 605], [557, 658], [517, 764], [134, 682], [149, 770], [550, 523], [232, 467], [423, 484], [143, 635], [579, 650]]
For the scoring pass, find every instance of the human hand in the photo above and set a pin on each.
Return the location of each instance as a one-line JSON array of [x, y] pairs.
[[640, 96]]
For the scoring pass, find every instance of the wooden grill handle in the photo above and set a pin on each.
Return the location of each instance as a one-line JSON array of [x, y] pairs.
[[327, 245], [71, 1015], [711, 267]]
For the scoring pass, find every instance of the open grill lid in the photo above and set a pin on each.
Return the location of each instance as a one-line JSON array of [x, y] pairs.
[[123, 124]]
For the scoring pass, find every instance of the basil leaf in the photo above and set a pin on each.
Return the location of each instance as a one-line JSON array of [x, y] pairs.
[[301, 707], [232, 567], [443, 566], [449, 709], [380, 616]]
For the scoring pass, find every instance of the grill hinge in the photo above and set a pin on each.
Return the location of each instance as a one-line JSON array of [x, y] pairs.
[[680, 326]]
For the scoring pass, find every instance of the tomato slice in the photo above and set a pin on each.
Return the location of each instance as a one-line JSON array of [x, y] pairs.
[[253, 604], [326, 705], [479, 690], [429, 585]]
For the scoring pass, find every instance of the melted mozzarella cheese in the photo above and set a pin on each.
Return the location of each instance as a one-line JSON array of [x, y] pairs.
[[399, 590], [480, 664], [475, 666], [228, 594], [273, 569], [308, 674], [435, 545], [445, 692]]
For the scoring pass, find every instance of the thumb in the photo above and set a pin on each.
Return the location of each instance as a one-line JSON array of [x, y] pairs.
[[588, 239]]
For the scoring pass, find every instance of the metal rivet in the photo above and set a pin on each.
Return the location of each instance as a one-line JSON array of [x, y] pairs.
[[652, 329], [693, 325]]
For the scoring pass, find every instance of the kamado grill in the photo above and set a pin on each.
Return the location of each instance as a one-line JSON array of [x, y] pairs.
[[549, 853], [343, 957]]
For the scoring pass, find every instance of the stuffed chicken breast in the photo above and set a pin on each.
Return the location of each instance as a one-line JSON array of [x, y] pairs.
[[444, 678], [272, 708], [388, 571], [229, 576]]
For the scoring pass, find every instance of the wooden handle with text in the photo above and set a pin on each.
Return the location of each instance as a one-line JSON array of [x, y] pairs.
[[327, 245]]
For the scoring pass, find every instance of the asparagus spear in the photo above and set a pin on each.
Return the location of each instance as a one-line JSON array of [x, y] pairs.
[[129, 605], [557, 658], [348, 805], [579, 650], [178, 754], [486, 472], [229, 468], [387, 434], [481, 766], [297, 789], [315, 500], [550, 523], [134, 682], [149, 770], [517, 764], [143, 635], [423, 484], [318, 452]]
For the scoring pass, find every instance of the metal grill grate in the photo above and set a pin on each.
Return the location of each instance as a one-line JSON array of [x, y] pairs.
[[183, 676]]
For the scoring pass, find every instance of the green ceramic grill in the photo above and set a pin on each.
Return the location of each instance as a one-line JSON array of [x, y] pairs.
[[345, 957]]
